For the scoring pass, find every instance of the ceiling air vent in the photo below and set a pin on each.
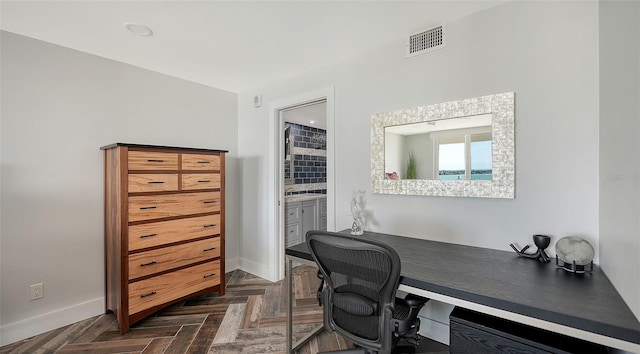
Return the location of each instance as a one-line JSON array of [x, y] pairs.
[[426, 40]]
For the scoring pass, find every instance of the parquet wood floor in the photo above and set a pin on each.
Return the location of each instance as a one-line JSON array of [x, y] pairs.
[[249, 318]]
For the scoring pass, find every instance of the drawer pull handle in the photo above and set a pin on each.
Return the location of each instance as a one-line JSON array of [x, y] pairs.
[[148, 264], [209, 276], [156, 182], [149, 235], [291, 231], [210, 225], [291, 213], [203, 162], [155, 160], [210, 202], [147, 294], [146, 208], [204, 181], [208, 249]]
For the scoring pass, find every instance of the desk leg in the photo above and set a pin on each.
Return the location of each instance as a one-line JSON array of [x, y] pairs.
[[291, 348], [289, 280]]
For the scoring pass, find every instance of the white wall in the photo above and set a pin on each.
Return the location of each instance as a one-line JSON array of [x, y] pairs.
[[620, 147], [394, 154], [546, 52], [553, 70], [58, 107], [421, 145]]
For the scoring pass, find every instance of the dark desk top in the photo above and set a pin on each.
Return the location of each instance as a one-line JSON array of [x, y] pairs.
[[502, 280]]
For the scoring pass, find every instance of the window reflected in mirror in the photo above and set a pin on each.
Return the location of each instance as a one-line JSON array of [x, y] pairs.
[[446, 149]]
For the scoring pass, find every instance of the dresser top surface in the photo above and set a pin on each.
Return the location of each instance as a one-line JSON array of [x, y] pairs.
[[143, 146]]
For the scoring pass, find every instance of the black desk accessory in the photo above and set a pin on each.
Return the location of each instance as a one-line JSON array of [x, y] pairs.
[[542, 241], [573, 267]]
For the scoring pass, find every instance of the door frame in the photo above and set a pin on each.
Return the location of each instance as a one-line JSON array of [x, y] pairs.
[[276, 171]]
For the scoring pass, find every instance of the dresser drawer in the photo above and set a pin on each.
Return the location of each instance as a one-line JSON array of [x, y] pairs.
[[163, 206], [152, 182], [158, 260], [200, 181], [164, 232], [149, 160], [198, 162], [158, 290]]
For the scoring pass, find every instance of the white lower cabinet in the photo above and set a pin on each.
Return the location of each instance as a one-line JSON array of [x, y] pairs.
[[302, 216], [322, 205]]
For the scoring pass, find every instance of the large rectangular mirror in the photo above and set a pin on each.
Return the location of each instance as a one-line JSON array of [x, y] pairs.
[[462, 148]]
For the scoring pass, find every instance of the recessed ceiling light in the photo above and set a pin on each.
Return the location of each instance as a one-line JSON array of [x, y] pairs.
[[313, 121], [140, 30]]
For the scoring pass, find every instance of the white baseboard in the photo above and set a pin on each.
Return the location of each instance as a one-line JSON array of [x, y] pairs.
[[230, 265], [27, 328], [33, 326], [254, 268]]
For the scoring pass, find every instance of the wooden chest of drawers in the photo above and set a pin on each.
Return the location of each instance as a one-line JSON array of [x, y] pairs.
[[164, 227]]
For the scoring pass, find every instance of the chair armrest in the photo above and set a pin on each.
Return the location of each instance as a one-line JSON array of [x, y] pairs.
[[413, 300]]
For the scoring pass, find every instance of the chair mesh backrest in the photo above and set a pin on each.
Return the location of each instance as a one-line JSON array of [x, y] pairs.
[[361, 267]]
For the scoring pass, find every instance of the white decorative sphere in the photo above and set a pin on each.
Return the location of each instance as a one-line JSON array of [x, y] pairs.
[[575, 249]]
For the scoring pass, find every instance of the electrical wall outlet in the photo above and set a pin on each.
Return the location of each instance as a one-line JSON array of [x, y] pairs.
[[37, 291]]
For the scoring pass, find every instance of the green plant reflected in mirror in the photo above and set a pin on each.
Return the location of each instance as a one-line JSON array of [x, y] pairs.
[[411, 166]]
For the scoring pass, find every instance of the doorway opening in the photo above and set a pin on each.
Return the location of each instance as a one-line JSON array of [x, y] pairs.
[[305, 170], [303, 165]]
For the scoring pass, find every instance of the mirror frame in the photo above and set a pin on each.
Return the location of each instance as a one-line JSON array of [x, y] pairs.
[[502, 185]]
